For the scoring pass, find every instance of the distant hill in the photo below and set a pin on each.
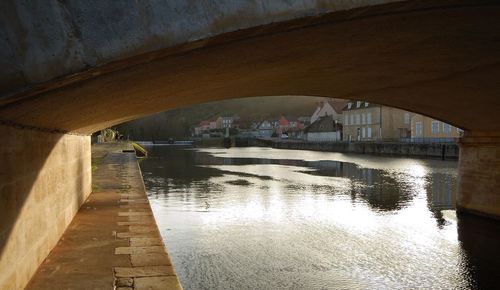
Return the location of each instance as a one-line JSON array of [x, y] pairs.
[[177, 123]]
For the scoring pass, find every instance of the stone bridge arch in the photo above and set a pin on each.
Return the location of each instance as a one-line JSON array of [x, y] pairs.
[[432, 57]]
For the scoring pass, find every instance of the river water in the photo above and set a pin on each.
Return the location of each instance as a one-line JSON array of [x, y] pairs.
[[261, 218]]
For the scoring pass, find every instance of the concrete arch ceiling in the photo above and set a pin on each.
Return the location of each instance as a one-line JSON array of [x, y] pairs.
[[78, 66]]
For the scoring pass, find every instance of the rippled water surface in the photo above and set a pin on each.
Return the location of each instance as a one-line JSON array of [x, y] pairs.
[[260, 218]]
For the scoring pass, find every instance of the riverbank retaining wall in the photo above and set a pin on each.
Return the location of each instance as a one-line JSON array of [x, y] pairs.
[[44, 178], [442, 151]]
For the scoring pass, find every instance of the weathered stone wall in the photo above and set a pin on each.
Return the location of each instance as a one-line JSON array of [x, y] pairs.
[[42, 40], [44, 178], [479, 173], [122, 60]]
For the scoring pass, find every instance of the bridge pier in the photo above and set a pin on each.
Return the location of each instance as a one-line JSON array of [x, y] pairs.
[[479, 174], [44, 178]]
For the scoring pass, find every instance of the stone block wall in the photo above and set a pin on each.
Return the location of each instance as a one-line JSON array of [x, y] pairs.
[[445, 151], [479, 174], [44, 178]]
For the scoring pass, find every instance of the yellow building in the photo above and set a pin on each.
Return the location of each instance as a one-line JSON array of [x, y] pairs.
[[426, 128], [364, 121]]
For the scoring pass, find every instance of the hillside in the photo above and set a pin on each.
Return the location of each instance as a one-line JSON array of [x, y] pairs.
[[177, 123]]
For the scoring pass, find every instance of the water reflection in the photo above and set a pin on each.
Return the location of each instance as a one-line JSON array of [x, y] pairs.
[[257, 218], [383, 190], [441, 190]]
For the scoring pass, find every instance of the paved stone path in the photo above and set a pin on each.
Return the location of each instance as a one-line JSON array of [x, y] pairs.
[[113, 241]]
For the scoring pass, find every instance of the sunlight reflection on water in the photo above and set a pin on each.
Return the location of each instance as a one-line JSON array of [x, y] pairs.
[[259, 218]]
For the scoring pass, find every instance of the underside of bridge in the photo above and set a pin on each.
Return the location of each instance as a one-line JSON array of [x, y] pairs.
[[69, 69]]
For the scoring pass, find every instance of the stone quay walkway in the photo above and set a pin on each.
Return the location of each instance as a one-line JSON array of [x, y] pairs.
[[113, 242]]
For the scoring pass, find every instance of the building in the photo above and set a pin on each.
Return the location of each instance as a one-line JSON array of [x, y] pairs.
[[265, 129], [329, 107], [294, 123], [289, 126], [364, 121], [305, 120], [324, 129], [224, 122], [203, 127], [425, 128], [295, 128], [243, 124], [213, 123], [283, 125]]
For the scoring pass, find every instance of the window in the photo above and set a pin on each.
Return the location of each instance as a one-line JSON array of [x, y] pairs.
[[366, 104], [363, 118], [369, 132], [407, 118], [446, 128], [459, 131], [352, 120], [418, 129], [435, 127], [369, 118], [349, 105], [358, 121], [363, 132], [346, 120], [358, 104]]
